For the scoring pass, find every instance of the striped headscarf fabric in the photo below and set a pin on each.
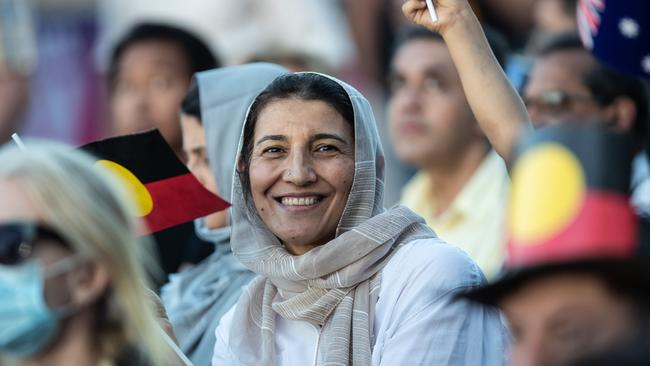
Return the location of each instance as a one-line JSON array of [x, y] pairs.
[[334, 286]]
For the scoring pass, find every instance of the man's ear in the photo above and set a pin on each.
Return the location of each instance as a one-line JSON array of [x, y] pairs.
[[621, 114], [88, 283]]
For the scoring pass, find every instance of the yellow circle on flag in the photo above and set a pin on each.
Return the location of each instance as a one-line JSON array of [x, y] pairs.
[[135, 189], [548, 191]]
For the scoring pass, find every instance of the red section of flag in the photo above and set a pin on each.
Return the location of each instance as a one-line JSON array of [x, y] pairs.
[[179, 199], [606, 226]]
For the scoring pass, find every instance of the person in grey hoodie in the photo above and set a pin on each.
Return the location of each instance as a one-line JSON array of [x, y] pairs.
[[197, 298]]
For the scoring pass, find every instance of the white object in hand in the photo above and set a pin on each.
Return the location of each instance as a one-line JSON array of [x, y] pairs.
[[18, 141], [432, 11]]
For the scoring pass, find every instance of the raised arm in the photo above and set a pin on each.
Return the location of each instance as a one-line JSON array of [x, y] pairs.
[[499, 110]]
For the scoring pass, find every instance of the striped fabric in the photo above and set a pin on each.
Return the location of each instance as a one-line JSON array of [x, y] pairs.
[[334, 286]]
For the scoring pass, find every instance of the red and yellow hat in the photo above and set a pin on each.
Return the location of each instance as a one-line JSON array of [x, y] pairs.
[[569, 207]]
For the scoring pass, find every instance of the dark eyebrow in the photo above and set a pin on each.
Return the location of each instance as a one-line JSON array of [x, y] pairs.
[[323, 136], [272, 138]]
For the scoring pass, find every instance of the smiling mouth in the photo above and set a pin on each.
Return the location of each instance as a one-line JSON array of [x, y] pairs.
[[300, 201]]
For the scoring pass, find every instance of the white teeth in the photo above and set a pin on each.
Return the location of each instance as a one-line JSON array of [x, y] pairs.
[[302, 201]]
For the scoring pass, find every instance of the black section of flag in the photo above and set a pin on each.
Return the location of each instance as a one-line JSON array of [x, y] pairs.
[[606, 158], [127, 151]]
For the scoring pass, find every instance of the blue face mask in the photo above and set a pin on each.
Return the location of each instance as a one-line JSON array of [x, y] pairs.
[[27, 325]]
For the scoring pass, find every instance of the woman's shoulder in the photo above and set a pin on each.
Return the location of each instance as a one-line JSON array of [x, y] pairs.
[[440, 266]]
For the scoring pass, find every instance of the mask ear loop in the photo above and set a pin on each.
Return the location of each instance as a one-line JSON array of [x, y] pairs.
[[57, 268]]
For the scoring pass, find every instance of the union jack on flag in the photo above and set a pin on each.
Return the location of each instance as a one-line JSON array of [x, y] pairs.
[[589, 12]]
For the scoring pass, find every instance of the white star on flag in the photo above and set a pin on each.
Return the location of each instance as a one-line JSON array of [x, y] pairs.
[[645, 63], [629, 27]]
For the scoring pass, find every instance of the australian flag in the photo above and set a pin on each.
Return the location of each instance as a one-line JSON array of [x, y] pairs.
[[618, 33]]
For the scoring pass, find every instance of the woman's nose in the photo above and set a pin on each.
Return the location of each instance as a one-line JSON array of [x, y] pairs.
[[299, 169]]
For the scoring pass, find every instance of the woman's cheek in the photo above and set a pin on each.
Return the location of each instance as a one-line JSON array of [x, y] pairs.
[[341, 171], [262, 175]]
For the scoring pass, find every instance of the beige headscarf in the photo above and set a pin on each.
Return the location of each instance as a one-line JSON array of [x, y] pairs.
[[335, 285]]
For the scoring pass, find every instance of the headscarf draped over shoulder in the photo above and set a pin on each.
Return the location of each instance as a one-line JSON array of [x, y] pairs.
[[334, 285]]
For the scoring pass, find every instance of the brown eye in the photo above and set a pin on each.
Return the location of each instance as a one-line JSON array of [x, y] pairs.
[[272, 150], [326, 148]]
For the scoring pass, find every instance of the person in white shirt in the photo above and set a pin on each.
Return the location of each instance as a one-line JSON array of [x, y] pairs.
[[340, 279]]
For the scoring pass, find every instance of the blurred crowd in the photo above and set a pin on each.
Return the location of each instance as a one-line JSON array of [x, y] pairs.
[[468, 191]]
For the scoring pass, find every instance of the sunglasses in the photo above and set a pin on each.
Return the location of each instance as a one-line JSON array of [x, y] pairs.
[[555, 100], [17, 240]]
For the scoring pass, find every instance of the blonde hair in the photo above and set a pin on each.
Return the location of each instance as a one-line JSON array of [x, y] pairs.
[[89, 209]]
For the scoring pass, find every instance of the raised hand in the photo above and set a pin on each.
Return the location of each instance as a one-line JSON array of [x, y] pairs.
[[498, 108], [449, 12]]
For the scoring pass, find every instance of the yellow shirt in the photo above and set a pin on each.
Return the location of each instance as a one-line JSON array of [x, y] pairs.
[[475, 220]]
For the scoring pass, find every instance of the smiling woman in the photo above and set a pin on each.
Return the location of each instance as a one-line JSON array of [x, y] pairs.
[[340, 279], [298, 161]]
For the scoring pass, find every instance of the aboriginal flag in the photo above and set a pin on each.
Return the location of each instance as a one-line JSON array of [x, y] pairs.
[[165, 193], [570, 197]]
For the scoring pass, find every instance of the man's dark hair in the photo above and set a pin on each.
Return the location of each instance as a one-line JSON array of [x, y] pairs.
[[198, 54], [604, 83], [191, 104], [495, 39]]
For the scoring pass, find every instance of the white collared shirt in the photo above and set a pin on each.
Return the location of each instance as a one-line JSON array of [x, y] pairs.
[[418, 319]]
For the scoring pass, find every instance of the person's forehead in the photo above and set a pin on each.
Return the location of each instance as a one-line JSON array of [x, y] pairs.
[[547, 293], [420, 55], [14, 202], [559, 70], [287, 116], [153, 53]]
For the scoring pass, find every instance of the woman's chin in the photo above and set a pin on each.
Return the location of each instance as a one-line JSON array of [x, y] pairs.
[[301, 244]]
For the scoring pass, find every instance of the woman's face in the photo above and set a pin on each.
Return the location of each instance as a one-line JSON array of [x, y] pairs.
[[301, 170], [16, 205], [196, 156]]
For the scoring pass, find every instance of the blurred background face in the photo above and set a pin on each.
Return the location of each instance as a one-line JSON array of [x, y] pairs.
[[196, 157], [560, 318], [16, 205], [152, 79], [301, 171], [429, 118], [556, 93]]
